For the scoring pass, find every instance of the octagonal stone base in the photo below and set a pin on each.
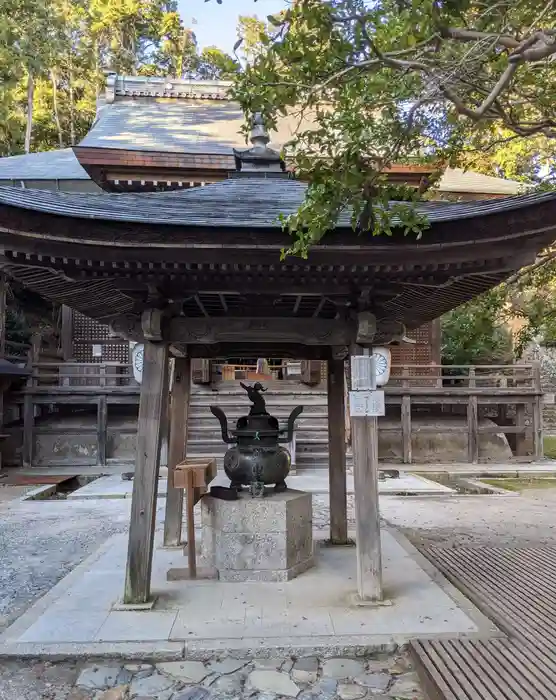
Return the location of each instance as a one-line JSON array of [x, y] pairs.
[[258, 539]]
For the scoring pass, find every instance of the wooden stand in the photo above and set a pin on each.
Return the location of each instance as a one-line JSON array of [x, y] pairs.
[[194, 477]]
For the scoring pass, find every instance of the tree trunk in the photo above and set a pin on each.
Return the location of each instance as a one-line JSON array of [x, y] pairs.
[[55, 106], [71, 109], [30, 104]]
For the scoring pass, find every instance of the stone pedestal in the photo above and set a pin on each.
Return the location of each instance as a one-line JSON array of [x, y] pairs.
[[258, 539]]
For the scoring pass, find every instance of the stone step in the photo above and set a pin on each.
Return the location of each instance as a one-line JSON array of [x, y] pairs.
[[306, 461], [273, 388], [236, 409], [216, 443], [206, 421], [209, 432], [286, 400]]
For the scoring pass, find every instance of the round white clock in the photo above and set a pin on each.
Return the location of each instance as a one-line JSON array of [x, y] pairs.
[[382, 365], [137, 355]]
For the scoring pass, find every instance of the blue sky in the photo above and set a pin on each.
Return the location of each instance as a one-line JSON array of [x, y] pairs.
[[216, 24]]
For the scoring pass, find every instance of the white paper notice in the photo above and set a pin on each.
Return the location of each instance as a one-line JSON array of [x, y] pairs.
[[366, 404]]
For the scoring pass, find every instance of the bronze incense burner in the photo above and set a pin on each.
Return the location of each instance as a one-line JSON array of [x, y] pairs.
[[257, 459]]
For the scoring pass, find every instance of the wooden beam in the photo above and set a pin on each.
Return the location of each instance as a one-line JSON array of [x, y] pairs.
[[67, 333], [177, 449], [337, 453], [321, 303], [365, 471], [211, 331], [150, 431], [200, 305]]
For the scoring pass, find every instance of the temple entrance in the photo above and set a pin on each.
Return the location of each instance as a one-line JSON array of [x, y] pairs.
[[309, 372], [252, 369]]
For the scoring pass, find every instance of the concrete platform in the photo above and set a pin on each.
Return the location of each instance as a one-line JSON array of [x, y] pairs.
[[310, 614], [313, 482]]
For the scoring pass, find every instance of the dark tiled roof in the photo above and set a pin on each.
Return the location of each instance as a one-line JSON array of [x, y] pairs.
[[46, 165], [252, 202]]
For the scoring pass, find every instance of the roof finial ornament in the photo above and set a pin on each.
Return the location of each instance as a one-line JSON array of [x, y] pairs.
[[259, 160], [259, 135]]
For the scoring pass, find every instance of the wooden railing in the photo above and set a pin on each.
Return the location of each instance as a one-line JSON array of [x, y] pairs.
[[487, 379], [510, 394], [450, 378], [16, 352], [106, 376], [448, 389]]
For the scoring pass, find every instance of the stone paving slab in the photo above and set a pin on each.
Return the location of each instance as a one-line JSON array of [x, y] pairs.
[[314, 481], [312, 612], [381, 676]]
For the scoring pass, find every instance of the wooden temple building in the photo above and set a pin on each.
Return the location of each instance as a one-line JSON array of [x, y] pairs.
[[158, 134], [154, 135], [194, 273]]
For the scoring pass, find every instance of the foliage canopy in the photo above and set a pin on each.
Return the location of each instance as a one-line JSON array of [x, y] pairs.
[[54, 56], [400, 81]]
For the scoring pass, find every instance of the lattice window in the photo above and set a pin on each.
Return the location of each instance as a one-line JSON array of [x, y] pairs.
[[86, 332], [422, 353]]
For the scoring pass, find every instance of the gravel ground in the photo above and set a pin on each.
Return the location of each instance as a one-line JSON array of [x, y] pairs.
[[523, 520], [42, 541]]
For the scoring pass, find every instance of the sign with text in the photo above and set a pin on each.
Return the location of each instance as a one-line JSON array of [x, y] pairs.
[[366, 404]]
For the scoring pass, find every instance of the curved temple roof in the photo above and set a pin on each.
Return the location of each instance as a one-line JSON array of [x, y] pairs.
[[215, 251], [256, 203]]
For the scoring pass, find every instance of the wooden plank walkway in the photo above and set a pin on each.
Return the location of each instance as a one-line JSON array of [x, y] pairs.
[[495, 669], [516, 588]]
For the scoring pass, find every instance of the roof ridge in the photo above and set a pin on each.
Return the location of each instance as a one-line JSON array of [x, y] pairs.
[[165, 86]]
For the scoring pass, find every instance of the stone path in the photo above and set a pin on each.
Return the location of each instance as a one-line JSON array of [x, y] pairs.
[[308, 678]]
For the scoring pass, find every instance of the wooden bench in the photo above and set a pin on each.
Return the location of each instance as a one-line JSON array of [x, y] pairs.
[[494, 669]]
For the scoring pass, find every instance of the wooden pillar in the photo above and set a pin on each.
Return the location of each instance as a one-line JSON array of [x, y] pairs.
[[472, 420], [102, 430], [66, 334], [436, 342], [521, 437], [3, 284], [538, 447], [473, 430], [337, 453], [153, 407], [406, 430], [179, 412], [28, 403], [364, 433]]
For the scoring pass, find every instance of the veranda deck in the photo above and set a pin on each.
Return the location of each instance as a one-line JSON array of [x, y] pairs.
[[516, 588]]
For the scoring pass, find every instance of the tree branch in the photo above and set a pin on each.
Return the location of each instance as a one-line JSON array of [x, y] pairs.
[[505, 40]]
